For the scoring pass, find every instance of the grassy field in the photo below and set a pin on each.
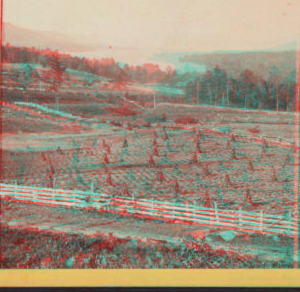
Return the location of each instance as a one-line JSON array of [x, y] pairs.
[[22, 119]]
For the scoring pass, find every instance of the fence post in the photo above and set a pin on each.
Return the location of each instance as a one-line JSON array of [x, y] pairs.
[[92, 188], [152, 210], [186, 209], [232, 218], [291, 222], [53, 195], [34, 195], [240, 217], [261, 220], [57, 196], [122, 207], [216, 211], [108, 204], [133, 201], [173, 210], [166, 204]]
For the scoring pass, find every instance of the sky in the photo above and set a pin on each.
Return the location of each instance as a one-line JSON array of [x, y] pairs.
[[163, 26]]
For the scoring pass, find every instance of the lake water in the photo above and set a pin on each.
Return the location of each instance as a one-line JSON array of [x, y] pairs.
[[139, 57]]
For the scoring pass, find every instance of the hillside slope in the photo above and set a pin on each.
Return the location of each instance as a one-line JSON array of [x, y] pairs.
[[258, 62]]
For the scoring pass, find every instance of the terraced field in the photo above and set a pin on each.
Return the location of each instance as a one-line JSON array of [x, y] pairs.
[[197, 167]]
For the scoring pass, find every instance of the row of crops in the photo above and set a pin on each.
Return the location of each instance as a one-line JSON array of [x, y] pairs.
[[197, 167]]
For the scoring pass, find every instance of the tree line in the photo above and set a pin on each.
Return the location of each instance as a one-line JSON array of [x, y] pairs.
[[248, 90], [220, 87], [106, 67]]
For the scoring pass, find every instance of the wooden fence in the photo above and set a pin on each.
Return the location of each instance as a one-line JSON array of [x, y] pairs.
[[167, 211]]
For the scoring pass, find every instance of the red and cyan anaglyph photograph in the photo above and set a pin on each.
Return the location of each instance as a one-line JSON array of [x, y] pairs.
[[149, 134]]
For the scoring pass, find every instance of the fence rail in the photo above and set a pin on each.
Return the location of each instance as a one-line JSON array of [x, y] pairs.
[[183, 213]]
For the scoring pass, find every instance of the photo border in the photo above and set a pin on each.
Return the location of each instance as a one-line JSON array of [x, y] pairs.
[[155, 277]]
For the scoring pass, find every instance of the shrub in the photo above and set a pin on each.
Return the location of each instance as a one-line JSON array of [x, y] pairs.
[[187, 120]]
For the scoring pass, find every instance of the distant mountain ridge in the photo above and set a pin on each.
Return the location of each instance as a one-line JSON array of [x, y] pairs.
[[259, 61], [174, 57], [23, 37], [291, 46]]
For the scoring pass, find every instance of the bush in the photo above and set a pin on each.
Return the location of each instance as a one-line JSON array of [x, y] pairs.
[[156, 119], [187, 120], [33, 249], [121, 111]]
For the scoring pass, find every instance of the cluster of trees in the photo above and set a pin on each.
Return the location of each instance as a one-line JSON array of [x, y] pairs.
[[106, 67], [248, 90], [258, 62], [54, 76]]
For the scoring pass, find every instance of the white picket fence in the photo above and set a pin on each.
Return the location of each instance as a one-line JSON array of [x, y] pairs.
[[180, 213]]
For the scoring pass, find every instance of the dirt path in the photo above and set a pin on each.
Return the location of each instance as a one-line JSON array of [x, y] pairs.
[[42, 141], [58, 219]]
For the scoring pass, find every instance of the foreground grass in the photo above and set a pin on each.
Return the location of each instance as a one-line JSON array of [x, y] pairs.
[[34, 250]]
